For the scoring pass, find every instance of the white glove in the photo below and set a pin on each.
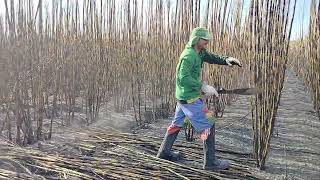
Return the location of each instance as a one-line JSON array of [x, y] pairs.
[[233, 61], [208, 90]]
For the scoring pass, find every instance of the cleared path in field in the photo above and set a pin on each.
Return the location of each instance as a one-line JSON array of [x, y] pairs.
[[295, 145]]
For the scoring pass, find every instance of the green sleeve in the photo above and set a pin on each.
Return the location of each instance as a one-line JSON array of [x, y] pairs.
[[184, 74], [213, 58]]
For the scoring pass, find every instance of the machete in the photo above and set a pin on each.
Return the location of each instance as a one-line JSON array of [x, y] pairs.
[[243, 91]]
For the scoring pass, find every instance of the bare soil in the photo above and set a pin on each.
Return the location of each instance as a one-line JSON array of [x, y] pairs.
[[295, 144]]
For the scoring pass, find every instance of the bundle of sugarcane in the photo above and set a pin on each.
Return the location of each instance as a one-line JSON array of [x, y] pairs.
[[114, 156], [269, 29]]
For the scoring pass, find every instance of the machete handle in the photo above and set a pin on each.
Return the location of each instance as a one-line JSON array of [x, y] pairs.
[[221, 90]]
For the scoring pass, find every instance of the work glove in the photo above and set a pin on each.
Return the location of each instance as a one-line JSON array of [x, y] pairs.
[[208, 90], [233, 61]]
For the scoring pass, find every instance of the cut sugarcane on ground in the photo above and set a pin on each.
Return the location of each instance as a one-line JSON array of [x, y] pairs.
[[95, 153]]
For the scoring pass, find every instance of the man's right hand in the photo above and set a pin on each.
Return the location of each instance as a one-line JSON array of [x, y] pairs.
[[209, 90]]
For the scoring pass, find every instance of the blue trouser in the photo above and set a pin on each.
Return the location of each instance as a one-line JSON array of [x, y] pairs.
[[195, 112]]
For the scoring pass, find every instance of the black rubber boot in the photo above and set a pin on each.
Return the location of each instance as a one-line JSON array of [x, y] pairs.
[[210, 162], [165, 148]]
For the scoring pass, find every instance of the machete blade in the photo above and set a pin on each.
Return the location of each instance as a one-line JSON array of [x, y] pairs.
[[242, 91]]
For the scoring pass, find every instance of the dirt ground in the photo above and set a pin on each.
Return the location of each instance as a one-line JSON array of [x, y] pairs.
[[295, 144]]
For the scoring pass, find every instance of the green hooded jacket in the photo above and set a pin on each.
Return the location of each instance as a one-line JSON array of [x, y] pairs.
[[188, 70]]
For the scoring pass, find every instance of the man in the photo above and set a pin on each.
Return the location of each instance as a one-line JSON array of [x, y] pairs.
[[189, 102]]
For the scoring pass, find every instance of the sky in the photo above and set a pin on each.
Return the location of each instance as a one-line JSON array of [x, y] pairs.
[[301, 16]]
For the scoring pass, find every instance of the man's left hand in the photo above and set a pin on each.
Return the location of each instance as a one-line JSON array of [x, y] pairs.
[[233, 61]]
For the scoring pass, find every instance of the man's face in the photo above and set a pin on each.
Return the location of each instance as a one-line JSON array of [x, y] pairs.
[[202, 43]]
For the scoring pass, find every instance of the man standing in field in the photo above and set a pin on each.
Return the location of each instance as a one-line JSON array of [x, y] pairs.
[[189, 102]]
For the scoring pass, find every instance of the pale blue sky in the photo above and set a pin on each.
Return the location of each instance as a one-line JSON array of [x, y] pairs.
[[302, 15], [301, 19]]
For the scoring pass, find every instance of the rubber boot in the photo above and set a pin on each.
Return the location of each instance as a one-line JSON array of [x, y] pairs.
[[165, 148], [210, 162]]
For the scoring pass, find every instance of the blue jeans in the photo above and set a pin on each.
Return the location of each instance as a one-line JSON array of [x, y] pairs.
[[194, 111]]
